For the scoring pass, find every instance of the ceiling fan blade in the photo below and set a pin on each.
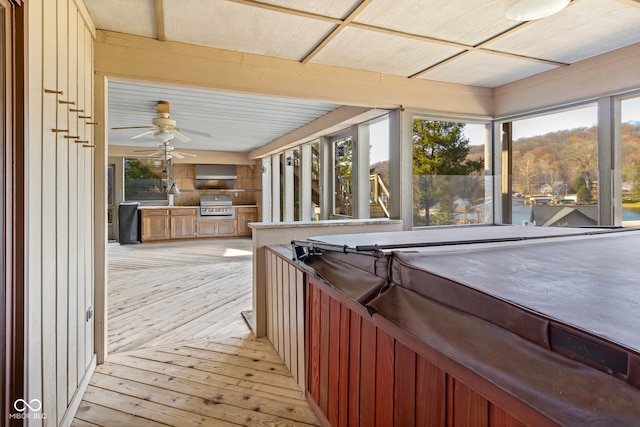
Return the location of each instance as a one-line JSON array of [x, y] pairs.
[[133, 127], [180, 137], [155, 153], [143, 134], [177, 155], [195, 132]]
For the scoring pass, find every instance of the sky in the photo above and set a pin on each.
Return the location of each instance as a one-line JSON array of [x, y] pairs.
[[582, 117]]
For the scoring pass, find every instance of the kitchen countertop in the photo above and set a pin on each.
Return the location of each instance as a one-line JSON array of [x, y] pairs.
[[187, 207]]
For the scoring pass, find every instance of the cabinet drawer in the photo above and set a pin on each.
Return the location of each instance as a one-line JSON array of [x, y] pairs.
[[184, 212], [154, 212], [246, 210]]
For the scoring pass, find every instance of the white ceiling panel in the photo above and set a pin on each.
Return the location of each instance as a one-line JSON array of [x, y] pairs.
[[488, 70], [334, 9], [463, 21], [124, 16], [583, 30], [458, 38], [237, 122], [233, 26], [383, 53]]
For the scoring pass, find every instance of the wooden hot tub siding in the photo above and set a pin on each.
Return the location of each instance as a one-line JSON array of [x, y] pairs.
[[364, 371]]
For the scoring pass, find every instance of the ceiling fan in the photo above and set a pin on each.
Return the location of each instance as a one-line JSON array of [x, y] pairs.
[[167, 151], [164, 125]]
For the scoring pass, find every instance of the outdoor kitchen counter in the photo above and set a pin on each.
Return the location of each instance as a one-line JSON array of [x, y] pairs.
[[185, 222]]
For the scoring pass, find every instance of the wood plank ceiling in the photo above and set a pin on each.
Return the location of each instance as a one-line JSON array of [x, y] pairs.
[[467, 42]]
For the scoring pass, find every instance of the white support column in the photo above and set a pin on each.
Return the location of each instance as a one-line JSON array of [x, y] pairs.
[[609, 162], [401, 167], [327, 161], [288, 187], [266, 189], [275, 188], [306, 158], [360, 172]]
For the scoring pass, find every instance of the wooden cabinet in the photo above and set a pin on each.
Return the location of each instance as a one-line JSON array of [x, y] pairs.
[[213, 227], [155, 224], [183, 223], [245, 215]]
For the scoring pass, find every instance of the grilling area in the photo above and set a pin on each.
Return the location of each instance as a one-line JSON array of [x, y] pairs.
[[217, 206]]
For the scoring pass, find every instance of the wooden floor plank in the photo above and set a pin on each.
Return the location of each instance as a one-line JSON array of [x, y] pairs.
[[205, 377], [180, 352]]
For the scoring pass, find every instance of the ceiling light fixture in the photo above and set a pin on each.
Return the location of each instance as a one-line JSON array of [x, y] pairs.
[[528, 10]]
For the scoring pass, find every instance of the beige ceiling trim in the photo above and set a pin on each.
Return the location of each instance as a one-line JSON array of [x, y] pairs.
[[203, 157], [397, 33], [330, 122], [635, 3], [527, 58], [289, 11], [440, 64], [159, 4], [344, 24]]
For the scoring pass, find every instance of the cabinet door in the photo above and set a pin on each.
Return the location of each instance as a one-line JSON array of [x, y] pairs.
[[243, 224], [227, 227], [155, 227], [207, 228], [183, 226]]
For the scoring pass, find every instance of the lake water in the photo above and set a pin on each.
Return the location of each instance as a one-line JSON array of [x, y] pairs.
[[523, 213]]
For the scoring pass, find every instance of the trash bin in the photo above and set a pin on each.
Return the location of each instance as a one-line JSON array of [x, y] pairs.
[[128, 223]]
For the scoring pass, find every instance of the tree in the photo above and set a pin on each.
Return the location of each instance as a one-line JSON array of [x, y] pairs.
[[582, 186], [439, 152]]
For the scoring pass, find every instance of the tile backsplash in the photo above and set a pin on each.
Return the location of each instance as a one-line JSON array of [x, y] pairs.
[[247, 188]]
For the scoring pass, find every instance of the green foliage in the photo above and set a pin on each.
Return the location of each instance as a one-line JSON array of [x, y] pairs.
[[440, 151], [135, 169], [582, 186], [138, 179]]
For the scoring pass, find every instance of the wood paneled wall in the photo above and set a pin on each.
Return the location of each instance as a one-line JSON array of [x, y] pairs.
[[358, 374], [60, 199], [285, 309]]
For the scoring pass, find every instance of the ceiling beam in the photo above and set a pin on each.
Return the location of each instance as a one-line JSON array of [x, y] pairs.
[[159, 4], [135, 58], [330, 123]]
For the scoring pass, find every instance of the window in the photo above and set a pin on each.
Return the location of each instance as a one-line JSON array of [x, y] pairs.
[[448, 173], [555, 169], [379, 168], [343, 152], [630, 136], [144, 179]]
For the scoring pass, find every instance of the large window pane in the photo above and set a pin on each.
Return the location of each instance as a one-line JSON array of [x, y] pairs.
[[379, 169], [144, 179], [315, 179], [343, 151], [630, 132], [448, 170], [555, 169]]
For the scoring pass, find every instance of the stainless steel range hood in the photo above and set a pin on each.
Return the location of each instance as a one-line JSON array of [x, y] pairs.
[[215, 176]]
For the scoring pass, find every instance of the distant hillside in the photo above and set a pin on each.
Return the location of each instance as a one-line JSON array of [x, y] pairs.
[[557, 158]]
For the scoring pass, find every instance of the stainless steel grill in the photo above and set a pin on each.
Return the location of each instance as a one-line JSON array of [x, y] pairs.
[[219, 205]]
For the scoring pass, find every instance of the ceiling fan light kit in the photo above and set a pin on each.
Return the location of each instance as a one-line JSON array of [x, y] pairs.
[[529, 10], [164, 126]]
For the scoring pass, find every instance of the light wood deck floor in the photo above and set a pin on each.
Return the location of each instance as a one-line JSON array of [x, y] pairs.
[[180, 353]]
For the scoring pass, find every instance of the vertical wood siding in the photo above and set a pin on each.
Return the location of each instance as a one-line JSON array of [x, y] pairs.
[[285, 301], [59, 197], [359, 375]]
